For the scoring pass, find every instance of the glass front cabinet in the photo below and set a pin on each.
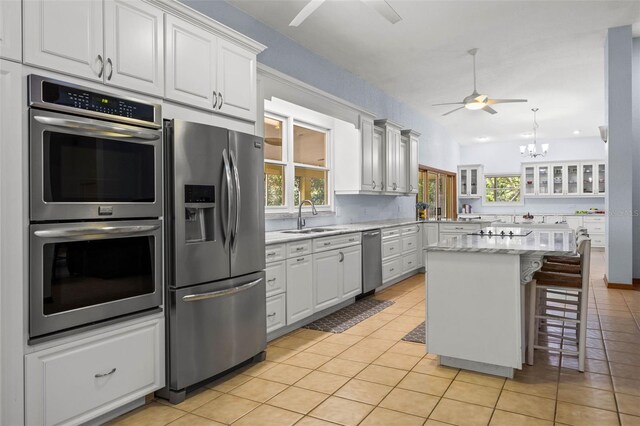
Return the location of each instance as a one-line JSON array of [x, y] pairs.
[[470, 179], [579, 179]]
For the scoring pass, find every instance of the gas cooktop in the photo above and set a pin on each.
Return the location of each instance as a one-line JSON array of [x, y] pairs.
[[502, 232]]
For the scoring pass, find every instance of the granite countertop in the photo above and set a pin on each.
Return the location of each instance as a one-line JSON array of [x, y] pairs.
[[538, 241], [277, 237]]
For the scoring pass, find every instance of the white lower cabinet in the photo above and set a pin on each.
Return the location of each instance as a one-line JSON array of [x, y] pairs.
[[352, 272], [327, 275], [276, 312], [78, 381], [276, 276], [299, 288], [429, 233], [391, 269]]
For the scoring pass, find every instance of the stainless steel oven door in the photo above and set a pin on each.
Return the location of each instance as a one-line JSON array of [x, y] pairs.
[[86, 272], [82, 168]]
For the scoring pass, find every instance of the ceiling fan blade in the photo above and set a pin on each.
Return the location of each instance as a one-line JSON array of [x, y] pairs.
[[489, 110], [453, 110], [504, 101], [384, 9], [450, 103], [307, 10]]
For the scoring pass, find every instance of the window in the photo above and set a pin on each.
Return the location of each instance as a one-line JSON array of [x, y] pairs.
[[502, 189], [296, 158], [437, 188]]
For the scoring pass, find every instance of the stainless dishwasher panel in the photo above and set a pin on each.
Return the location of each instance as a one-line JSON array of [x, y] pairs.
[[371, 260], [214, 327]]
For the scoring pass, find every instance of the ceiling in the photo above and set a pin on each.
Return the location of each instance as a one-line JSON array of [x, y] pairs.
[[550, 52]]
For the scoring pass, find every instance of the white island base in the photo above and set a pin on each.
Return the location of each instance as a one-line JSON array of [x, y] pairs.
[[475, 317]]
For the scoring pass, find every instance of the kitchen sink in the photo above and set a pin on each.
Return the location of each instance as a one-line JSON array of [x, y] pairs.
[[310, 230]]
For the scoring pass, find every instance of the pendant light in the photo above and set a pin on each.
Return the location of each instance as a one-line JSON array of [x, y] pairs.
[[531, 150]]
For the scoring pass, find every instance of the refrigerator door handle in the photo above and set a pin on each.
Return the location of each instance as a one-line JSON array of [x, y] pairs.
[[227, 171], [220, 293], [237, 191]]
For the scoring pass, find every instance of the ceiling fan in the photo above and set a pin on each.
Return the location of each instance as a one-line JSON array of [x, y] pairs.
[[381, 6], [475, 100]]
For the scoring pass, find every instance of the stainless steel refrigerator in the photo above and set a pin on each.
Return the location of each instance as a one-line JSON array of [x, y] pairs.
[[215, 253]]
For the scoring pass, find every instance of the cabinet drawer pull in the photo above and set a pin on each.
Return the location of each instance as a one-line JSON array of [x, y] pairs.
[[327, 243], [271, 253], [352, 239], [409, 244], [300, 259], [98, 375], [299, 248], [271, 280], [391, 270], [391, 248], [273, 314], [409, 263]]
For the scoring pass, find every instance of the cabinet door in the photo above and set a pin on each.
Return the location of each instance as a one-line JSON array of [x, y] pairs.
[[530, 180], [10, 29], [352, 272], [573, 179], [190, 56], [588, 178], [402, 174], [377, 161], [429, 234], [543, 180], [464, 182], [473, 182], [392, 143], [413, 164], [601, 187], [366, 136], [299, 288], [327, 279], [134, 46], [65, 36], [236, 81], [558, 179]]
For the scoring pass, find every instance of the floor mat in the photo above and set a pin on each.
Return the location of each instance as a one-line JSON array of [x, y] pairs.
[[349, 316], [417, 335]]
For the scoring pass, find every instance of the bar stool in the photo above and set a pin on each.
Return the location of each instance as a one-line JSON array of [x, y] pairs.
[[581, 231], [561, 288]]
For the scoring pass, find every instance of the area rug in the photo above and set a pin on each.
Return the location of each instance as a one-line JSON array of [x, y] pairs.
[[417, 335], [349, 316]]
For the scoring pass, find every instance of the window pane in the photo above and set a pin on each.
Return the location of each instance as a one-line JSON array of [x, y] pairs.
[[273, 185], [432, 192], [273, 130], [311, 185], [309, 146], [421, 178], [502, 189]]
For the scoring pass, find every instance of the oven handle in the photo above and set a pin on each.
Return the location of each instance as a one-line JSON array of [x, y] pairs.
[[89, 230], [220, 293], [99, 129]]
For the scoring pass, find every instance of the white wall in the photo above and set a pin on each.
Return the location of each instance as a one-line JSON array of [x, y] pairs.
[[504, 158]]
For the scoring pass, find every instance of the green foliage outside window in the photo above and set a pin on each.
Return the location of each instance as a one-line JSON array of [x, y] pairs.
[[502, 189]]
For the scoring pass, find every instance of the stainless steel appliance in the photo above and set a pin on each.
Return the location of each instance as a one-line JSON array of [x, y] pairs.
[[371, 260], [92, 155], [95, 252], [215, 232]]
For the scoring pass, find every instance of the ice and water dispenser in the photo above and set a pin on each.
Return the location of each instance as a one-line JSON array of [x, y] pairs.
[[199, 213]]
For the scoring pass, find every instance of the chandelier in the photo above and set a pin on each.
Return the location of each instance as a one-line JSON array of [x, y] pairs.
[[531, 150]]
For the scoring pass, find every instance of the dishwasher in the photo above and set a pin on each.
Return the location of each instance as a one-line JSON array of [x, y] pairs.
[[371, 261]]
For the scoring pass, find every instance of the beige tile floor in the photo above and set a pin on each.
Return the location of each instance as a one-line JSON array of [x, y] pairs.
[[368, 376]]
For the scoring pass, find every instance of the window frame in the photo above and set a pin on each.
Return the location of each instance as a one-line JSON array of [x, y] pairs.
[[451, 192], [302, 117], [520, 202]]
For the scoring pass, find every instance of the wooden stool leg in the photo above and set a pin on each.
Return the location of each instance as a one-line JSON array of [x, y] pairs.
[[581, 333]]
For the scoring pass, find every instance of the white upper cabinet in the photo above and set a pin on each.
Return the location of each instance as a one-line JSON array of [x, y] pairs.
[[402, 171], [413, 165], [191, 57], [10, 29], [65, 36], [133, 46], [236, 83], [395, 166], [372, 156], [575, 179], [206, 71], [470, 179]]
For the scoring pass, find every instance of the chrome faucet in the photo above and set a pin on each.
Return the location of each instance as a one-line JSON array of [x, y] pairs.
[[301, 221]]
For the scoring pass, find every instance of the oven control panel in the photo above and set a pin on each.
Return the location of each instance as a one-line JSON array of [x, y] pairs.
[[58, 95]]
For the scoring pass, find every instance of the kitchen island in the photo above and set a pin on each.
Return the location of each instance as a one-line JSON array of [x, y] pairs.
[[476, 289]]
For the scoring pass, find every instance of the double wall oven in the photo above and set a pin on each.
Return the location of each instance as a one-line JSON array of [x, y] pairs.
[[96, 205]]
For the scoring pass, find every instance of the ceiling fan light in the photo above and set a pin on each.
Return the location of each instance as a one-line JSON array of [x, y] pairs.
[[474, 105]]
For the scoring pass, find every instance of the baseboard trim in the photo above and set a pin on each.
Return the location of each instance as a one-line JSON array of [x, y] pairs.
[[619, 286]]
